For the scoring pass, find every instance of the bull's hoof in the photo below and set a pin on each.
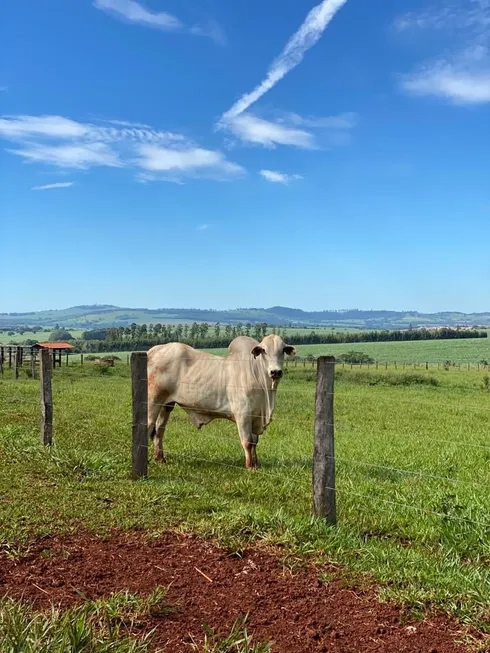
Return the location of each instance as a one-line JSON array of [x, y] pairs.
[[160, 458]]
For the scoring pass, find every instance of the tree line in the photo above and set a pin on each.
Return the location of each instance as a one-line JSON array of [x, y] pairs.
[[204, 336]]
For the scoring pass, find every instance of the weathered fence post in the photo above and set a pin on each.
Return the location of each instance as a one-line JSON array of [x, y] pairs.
[[140, 414], [46, 398], [324, 504], [10, 358], [17, 362], [66, 359], [81, 360], [33, 363]]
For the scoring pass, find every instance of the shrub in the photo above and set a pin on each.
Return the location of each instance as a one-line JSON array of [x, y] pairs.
[[367, 378], [356, 358]]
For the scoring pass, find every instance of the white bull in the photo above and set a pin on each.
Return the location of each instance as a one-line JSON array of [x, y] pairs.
[[240, 387]]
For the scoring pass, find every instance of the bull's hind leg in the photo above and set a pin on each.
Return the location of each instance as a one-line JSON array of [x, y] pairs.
[[159, 432], [158, 414]]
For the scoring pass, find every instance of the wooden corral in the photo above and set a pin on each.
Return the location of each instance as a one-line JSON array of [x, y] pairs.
[[19, 355]]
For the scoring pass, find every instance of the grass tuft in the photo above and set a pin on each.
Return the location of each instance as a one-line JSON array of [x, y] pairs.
[[237, 641], [102, 626]]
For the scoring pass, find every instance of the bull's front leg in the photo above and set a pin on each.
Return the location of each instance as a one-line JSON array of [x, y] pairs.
[[253, 450], [249, 442]]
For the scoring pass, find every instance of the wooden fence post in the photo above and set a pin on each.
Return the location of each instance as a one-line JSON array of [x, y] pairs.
[[10, 358], [66, 359], [81, 360], [33, 363], [46, 398], [17, 362], [324, 504], [140, 414]]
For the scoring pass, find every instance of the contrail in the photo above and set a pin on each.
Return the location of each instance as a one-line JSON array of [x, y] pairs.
[[307, 35]]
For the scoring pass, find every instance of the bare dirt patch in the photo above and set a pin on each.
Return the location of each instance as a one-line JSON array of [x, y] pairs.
[[297, 612]]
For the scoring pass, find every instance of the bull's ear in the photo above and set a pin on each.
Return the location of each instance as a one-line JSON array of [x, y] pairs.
[[256, 351], [290, 350]]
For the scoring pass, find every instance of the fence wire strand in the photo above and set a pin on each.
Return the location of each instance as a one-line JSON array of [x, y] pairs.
[[308, 462]]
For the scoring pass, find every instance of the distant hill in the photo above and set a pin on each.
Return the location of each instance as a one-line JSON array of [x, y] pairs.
[[106, 315]]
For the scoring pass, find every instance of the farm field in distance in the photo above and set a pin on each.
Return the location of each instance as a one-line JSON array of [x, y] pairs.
[[412, 456], [41, 336], [471, 350]]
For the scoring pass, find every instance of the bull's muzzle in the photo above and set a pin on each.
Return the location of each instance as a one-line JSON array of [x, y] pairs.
[[276, 374]]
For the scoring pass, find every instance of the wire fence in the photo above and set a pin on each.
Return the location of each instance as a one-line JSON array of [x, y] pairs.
[[18, 359], [330, 461]]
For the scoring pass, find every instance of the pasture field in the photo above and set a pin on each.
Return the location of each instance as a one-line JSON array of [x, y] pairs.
[[413, 472], [41, 336], [471, 350]]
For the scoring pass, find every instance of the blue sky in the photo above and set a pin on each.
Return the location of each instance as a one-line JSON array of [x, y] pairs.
[[208, 153]]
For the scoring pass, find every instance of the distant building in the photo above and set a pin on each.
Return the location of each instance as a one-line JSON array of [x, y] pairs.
[[56, 347]]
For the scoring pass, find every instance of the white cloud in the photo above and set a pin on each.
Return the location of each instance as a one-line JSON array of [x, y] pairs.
[[346, 120], [58, 127], [251, 129], [203, 227], [307, 35], [462, 74], [80, 156], [189, 160], [134, 12], [155, 154], [50, 126], [276, 177], [59, 184], [454, 80], [289, 129], [470, 15]]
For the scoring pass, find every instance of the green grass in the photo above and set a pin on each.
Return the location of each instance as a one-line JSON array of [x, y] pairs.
[[413, 472], [471, 350], [102, 626], [237, 641]]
